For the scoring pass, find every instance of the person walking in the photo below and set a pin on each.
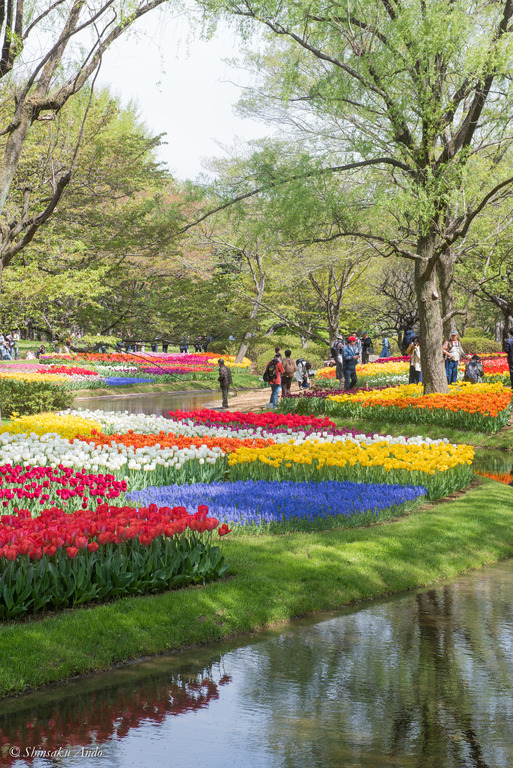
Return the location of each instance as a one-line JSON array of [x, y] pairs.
[[413, 350], [508, 348], [273, 373], [225, 380], [366, 347], [452, 351], [289, 368], [385, 347], [350, 355]]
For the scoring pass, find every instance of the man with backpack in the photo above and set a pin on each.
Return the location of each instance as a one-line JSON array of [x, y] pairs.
[[273, 373], [350, 356], [289, 368]]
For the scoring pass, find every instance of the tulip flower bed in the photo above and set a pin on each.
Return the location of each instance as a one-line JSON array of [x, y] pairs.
[[386, 372], [440, 467], [36, 487], [174, 366], [61, 559], [275, 507], [316, 400], [262, 420], [485, 407]]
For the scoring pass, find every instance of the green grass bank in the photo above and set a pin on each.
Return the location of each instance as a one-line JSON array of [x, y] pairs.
[[272, 579]]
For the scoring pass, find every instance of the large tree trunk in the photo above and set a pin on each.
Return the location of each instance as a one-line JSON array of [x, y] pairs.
[[430, 318]]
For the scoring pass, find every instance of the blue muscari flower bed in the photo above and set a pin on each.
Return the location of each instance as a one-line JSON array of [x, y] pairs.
[[119, 381], [276, 506]]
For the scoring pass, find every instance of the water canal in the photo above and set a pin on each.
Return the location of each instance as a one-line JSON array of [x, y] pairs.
[[421, 680], [160, 404]]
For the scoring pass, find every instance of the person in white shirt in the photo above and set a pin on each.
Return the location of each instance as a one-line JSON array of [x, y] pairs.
[[452, 351]]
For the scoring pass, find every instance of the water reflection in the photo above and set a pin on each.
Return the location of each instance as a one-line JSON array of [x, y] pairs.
[[498, 465], [159, 404], [424, 680]]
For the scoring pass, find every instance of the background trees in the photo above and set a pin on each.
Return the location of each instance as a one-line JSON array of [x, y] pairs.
[[412, 103]]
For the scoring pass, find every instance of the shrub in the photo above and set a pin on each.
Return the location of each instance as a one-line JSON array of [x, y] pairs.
[[480, 345], [26, 397]]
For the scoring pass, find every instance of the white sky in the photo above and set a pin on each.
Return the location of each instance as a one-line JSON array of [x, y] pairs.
[[183, 88]]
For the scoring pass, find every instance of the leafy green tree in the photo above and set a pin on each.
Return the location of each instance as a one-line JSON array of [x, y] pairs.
[[49, 52]]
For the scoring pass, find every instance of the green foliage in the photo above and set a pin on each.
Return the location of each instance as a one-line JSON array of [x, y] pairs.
[[26, 397], [263, 350], [479, 345], [92, 341]]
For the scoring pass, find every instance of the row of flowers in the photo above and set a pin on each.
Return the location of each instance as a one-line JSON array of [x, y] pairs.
[[485, 406], [270, 505]]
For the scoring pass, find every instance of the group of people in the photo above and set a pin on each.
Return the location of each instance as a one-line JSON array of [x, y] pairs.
[[281, 371], [452, 352], [9, 348]]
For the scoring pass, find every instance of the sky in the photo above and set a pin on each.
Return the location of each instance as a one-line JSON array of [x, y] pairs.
[[183, 88]]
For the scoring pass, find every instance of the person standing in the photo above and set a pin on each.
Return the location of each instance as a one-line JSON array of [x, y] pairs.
[[289, 367], [225, 380], [452, 352], [413, 350], [408, 337], [274, 371], [338, 354], [366, 347], [16, 343], [350, 355], [508, 348]]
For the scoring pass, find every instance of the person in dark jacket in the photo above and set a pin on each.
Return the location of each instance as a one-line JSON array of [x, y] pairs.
[[508, 349], [474, 370], [225, 380], [350, 355], [366, 347]]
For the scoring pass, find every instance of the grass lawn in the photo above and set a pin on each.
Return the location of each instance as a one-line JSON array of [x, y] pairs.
[[272, 579], [502, 440]]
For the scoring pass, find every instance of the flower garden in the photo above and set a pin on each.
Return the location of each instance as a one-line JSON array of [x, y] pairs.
[[96, 503]]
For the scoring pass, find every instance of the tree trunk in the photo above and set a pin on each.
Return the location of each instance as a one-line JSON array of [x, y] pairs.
[[254, 312], [430, 319], [445, 272], [508, 322]]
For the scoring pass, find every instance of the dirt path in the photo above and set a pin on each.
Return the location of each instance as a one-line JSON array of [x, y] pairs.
[[245, 400]]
